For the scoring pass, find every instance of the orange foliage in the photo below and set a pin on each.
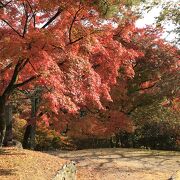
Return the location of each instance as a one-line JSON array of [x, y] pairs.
[[99, 125], [62, 46]]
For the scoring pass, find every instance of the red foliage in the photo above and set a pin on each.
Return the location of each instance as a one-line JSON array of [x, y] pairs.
[[99, 125], [62, 45], [78, 63]]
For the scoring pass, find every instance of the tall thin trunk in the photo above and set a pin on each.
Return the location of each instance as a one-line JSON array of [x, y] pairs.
[[2, 119], [8, 117]]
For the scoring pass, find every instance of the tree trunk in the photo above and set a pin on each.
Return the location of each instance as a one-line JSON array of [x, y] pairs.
[[8, 117], [29, 135], [2, 120]]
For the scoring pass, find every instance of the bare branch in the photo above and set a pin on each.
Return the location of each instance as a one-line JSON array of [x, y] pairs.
[[52, 18]]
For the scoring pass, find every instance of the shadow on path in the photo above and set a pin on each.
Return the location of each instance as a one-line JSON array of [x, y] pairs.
[[7, 172], [134, 159]]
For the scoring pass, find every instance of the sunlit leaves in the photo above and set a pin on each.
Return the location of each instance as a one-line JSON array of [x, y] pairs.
[[77, 56]]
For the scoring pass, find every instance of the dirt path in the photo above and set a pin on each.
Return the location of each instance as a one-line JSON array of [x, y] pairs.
[[124, 164]]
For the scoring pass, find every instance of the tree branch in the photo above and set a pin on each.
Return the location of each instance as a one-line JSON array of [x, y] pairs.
[[149, 87], [58, 47], [7, 67], [33, 13], [52, 18], [2, 5], [26, 20], [23, 64], [71, 25], [9, 88], [32, 66], [72, 42], [17, 32], [25, 82]]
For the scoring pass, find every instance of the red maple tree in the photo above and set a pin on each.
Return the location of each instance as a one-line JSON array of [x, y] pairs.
[[62, 45], [66, 47], [150, 77]]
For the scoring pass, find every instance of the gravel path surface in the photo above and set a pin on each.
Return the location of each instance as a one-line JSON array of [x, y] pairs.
[[124, 164]]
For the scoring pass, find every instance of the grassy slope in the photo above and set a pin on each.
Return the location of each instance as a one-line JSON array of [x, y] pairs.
[[18, 164]]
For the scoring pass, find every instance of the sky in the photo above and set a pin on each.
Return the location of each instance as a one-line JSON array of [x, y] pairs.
[[149, 19]]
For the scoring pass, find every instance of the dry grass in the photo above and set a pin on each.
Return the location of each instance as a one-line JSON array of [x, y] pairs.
[[20, 164]]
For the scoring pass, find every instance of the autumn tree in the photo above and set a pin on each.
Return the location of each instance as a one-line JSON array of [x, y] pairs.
[[150, 80], [151, 97], [64, 46]]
